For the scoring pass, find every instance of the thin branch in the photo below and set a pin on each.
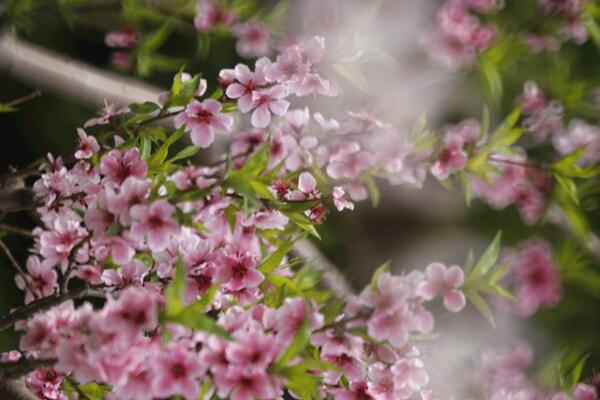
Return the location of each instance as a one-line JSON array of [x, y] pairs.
[[13, 261], [24, 99], [47, 303], [15, 389], [23, 366], [17, 231]]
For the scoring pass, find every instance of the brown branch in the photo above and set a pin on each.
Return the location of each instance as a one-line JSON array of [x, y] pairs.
[[15, 389], [24, 99], [13, 261], [47, 303], [17, 231], [23, 366]]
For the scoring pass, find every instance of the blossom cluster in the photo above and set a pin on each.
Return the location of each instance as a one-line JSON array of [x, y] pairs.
[[503, 375], [533, 277], [459, 35]]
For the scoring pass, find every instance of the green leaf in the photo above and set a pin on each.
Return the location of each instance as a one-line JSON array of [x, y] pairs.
[[383, 268], [297, 346], [145, 147], [374, 193], [175, 291], [491, 80], [273, 261], [569, 187], [489, 257], [155, 40], [182, 92], [352, 75], [256, 163], [6, 109], [283, 281], [187, 152], [593, 29], [144, 108], [479, 303], [191, 318]]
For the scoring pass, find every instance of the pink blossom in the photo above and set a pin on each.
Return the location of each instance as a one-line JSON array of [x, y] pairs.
[[451, 158], [131, 192], [131, 273], [579, 134], [533, 98], [393, 326], [138, 382], [340, 199], [545, 122], [266, 102], [107, 115], [270, 219], [411, 373], [40, 281], [535, 277], [584, 392], [176, 371], [390, 294], [459, 36], [123, 38], [289, 66], [155, 223], [253, 351], [382, 384], [444, 282], [88, 146], [56, 244], [307, 188], [118, 166], [239, 271], [539, 43], [349, 364], [247, 84], [210, 16], [133, 313], [348, 163], [254, 40], [46, 384], [201, 119], [357, 390], [245, 384], [312, 83]]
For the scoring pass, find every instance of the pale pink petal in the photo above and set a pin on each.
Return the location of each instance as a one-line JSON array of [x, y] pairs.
[[454, 300]]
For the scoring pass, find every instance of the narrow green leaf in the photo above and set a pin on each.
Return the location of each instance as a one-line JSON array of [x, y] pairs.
[[479, 303], [489, 257], [187, 152], [383, 268], [273, 261]]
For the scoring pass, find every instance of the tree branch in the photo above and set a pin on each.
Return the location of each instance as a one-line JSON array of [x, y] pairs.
[[17, 231], [15, 389], [58, 74], [47, 303], [23, 366]]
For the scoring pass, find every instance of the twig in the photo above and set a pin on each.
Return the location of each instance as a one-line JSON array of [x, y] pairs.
[[16, 231], [47, 303], [15, 389], [23, 366], [24, 99], [16, 266]]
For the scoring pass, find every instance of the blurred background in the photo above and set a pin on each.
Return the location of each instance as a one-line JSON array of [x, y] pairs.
[[410, 227]]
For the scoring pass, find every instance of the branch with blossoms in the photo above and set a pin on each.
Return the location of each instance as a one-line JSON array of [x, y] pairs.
[[202, 296]]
